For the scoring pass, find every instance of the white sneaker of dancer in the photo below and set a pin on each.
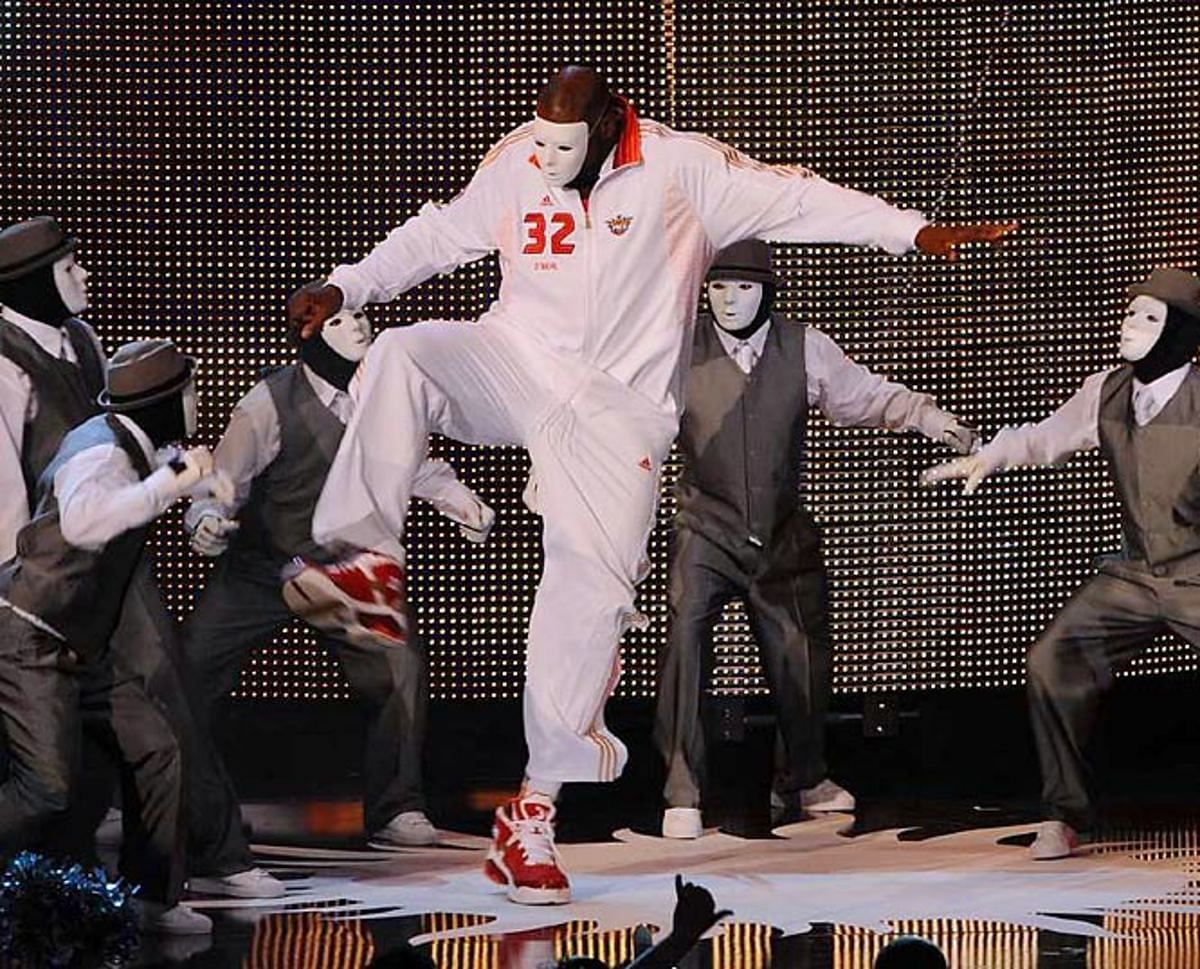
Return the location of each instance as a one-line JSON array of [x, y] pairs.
[[251, 883], [1055, 839], [683, 824], [409, 829]]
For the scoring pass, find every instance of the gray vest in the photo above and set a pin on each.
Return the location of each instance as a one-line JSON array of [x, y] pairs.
[[66, 393], [77, 591], [1157, 472], [277, 518], [742, 439]]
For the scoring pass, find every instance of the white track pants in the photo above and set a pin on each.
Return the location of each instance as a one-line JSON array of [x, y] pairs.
[[597, 450]]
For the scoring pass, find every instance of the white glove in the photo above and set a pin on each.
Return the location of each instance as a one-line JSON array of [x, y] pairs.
[[974, 467], [211, 536], [961, 437], [477, 531], [217, 486], [180, 472]]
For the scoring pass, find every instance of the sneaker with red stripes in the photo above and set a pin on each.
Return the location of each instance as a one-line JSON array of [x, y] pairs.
[[361, 598], [523, 856]]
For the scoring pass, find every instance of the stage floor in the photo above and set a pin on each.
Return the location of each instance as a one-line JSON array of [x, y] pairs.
[[824, 892]]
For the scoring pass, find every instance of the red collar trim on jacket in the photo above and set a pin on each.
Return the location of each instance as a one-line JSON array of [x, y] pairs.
[[629, 148]]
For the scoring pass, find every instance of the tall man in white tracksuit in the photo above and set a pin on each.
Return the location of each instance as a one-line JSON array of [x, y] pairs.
[[277, 449], [1144, 415], [78, 559], [51, 374], [743, 531], [605, 224]]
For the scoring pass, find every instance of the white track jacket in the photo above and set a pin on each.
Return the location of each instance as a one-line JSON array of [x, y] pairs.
[[614, 282]]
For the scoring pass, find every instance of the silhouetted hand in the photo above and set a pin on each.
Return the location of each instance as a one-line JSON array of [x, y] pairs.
[[695, 911], [311, 305], [944, 240]]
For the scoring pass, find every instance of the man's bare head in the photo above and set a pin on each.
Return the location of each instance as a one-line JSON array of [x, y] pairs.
[[574, 94]]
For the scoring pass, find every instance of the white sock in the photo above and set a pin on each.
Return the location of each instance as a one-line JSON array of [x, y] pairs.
[[537, 785]]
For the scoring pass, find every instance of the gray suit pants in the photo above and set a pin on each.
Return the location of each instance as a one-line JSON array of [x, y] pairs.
[[241, 608], [788, 609], [128, 704], [1111, 619]]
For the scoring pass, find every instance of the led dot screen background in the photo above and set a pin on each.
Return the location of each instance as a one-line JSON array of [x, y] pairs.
[[212, 156]]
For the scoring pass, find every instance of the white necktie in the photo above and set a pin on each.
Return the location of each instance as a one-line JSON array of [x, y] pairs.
[[744, 356], [342, 407], [1143, 406]]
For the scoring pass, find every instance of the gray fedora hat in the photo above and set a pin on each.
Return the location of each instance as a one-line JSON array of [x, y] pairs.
[[29, 245], [1175, 287], [143, 372], [749, 259]]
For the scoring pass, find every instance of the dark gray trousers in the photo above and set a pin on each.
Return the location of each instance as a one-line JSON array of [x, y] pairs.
[[242, 607], [1111, 619], [128, 704], [788, 610]]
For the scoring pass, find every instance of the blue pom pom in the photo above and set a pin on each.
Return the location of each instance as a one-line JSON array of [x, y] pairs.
[[65, 915]]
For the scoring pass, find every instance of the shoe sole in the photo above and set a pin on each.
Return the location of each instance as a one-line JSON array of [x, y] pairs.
[[316, 599], [399, 846], [829, 808], [1056, 856], [209, 886], [524, 894]]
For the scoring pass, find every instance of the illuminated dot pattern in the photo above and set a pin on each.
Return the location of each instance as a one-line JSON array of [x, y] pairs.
[[211, 156]]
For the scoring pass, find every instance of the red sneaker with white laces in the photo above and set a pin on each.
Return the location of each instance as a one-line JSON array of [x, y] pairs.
[[523, 855], [361, 598]]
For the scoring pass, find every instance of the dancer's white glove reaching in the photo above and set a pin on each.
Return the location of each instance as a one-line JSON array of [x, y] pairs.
[[974, 468], [479, 527], [212, 534], [191, 473], [961, 437]]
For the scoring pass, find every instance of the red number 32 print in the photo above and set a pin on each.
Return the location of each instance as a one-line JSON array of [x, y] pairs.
[[560, 244]]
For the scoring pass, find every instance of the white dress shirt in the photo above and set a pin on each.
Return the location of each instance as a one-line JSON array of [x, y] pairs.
[[18, 406], [1075, 426], [100, 495], [846, 392], [252, 441]]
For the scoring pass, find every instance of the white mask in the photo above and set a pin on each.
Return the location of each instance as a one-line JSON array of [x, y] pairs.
[[734, 302], [348, 334], [190, 422], [70, 278], [560, 149], [1142, 326]]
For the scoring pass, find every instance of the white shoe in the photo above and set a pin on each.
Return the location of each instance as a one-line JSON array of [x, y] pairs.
[[826, 797], [155, 918], [251, 883], [682, 824], [1055, 839], [109, 831], [409, 829]]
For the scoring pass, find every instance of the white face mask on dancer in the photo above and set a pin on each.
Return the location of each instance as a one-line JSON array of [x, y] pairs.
[[1142, 326], [70, 278], [348, 334], [560, 149], [734, 302]]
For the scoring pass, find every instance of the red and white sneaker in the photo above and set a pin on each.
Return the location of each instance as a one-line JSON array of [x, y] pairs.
[[523, 855], [361, 598]]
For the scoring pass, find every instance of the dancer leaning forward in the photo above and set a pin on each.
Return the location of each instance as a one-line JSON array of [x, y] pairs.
[[1144, 415], [605, 224]]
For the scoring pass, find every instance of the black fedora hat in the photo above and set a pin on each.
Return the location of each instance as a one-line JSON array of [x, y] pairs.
[[144, 372], [749, 259], [29, 245]]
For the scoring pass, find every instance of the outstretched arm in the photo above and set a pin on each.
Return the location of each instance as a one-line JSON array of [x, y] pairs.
[[437, 239], [437, 484], [740, 198], [1073, 427], [851, 395]]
